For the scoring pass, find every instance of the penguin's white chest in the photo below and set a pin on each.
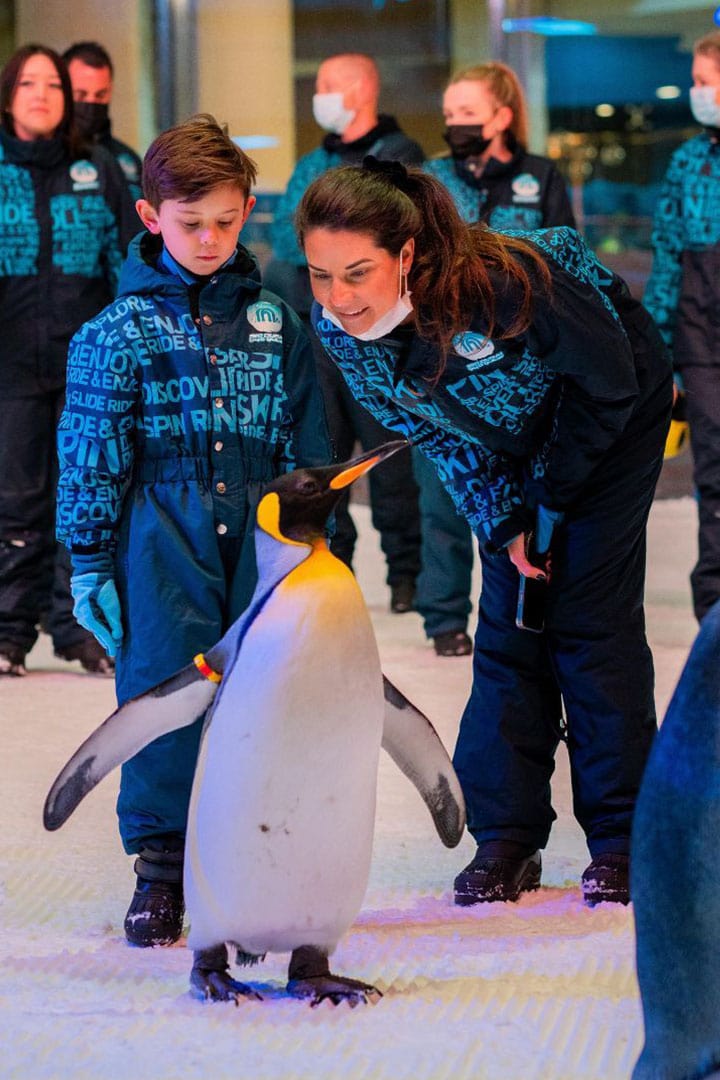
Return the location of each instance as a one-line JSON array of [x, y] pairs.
[[283, 807]]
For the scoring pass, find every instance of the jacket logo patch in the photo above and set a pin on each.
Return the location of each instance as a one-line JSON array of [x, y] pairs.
[[84, 174], [475, 347], [265, 317], [526, 187]]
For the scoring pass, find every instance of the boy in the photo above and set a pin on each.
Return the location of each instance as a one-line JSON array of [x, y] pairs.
[[184, 396]]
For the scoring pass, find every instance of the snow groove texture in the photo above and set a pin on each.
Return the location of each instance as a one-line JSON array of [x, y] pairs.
[[540, 990]]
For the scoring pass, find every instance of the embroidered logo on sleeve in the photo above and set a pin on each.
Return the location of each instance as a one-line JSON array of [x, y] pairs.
[[476, 348], [265, 317], [526, 188], [84, 176]]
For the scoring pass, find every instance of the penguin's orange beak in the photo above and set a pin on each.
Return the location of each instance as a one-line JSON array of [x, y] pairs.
[[360, 465]]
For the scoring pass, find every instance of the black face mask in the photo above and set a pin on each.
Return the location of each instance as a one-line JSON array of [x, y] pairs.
[[91, 118], [466, 140]]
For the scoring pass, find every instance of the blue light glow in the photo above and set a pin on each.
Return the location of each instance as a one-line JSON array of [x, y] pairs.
[[548, 26], [255, 142]]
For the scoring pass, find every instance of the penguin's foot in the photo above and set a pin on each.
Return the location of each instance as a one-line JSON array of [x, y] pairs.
[[334, 988], [310, 977], [210, 980]]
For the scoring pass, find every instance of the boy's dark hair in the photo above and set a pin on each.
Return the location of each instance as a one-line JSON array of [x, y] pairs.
[[190, 159], [90, 53]]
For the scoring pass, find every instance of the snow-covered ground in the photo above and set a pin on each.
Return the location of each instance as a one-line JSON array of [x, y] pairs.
[[540, 990]]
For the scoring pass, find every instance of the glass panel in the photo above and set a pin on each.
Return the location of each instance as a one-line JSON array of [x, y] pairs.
[[409, 40]]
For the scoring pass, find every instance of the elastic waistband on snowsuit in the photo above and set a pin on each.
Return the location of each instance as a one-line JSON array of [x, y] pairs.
[[169, 470]]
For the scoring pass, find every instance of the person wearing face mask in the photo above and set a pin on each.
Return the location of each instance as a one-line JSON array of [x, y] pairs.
[[345, 105], [683, 295], [541, 392], [66, 219], [492, 178], [91, 74]]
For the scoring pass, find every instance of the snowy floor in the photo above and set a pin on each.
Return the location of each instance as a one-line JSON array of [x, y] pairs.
[[539, 990]]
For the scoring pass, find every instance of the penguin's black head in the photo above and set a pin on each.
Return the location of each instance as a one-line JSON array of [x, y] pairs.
[[297, 505]]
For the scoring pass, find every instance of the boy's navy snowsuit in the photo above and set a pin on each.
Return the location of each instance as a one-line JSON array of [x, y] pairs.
[[183, 400], [526, 193], [683, 295], [571, 416]]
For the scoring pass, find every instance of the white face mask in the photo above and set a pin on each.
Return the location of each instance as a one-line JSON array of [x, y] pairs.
[[704, 106], [387, 322], [330, 112]]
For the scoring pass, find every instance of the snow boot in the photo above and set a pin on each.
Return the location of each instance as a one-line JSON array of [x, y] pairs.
[[501, 870], [91, 655], [607, 880], [155, 915], [453, 643], [12, 659], [402, 596]]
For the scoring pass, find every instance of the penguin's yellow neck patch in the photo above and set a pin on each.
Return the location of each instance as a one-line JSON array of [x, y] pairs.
[[268, 518]]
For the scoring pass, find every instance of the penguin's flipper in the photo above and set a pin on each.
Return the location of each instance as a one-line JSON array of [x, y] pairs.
[[175, 703], [415, 747]]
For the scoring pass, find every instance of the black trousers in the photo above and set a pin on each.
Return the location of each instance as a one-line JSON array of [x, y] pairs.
[[393, 490], [34, 568], [702, 387], [592, 655]]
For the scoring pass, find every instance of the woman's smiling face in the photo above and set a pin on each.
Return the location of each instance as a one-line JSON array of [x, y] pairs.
[[357, 281]]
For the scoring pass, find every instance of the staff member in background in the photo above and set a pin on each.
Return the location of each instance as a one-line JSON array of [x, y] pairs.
[[541, 391], [67, 217], [683, 295], [346, 106], [91, 74], [491, 177]]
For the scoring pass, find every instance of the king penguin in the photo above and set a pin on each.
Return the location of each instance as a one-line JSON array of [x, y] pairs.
[[282, 811], [675, 876]]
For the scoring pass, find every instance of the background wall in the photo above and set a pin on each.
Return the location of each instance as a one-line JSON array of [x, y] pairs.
[[123, 28], [245, 77], [253, 65]]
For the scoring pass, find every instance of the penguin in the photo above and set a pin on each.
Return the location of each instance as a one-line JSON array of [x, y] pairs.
[[675, 876], [282, 811]]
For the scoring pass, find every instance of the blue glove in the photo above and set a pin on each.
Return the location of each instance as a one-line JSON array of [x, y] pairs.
[[545, 522], [97, 606]]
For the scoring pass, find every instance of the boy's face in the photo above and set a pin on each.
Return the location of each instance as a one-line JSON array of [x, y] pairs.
[[200, 235]]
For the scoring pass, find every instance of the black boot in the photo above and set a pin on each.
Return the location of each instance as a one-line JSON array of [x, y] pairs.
[[91, 655], [501, 870], [402, 595], [12, 659], [155, 915], [607, 880]]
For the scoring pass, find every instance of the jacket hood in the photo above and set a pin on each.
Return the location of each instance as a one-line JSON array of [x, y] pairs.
[[142, 274], [44, 153]]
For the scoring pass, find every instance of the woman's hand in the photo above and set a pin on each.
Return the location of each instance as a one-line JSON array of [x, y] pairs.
[[517, 552]]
